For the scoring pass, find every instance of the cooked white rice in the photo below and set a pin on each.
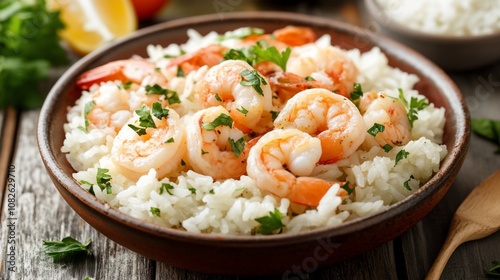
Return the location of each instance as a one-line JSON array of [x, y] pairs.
[[197, 203], [450, 17]]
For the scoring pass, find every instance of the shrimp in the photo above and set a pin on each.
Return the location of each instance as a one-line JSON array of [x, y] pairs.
[[331, 117], [210, 56], [286, 84], [289, 36], [281, 161], [209, 148], [128, 70], [238, 87], [307, 59], [160, 146], [108, 107], [379, 108]]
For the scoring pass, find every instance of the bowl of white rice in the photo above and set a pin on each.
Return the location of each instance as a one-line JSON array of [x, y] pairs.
[[456, 35], [215, 226]]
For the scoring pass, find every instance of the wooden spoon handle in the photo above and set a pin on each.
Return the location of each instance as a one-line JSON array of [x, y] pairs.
[[461, 230]]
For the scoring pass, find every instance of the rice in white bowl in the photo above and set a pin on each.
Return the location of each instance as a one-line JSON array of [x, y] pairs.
[[196, 203], [447, 17]]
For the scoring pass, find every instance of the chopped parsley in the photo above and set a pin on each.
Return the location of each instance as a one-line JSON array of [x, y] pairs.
[[86, 110], [413, 106], [271, 54], [221, 120], [234, 54], [145, 119], [104, 179], [166, 187], [401, 155], [139, 130], [155, 211], [127, 85], [237, 146], [375, 129], [387, 148], [356, 93], [66, 249], [180, 72], [155, 89], [217, 97], [406, 184], [91, 188], [171, 96], [192, 190], [242, 110], [170, 140], [158, 111], [274, 114], [270, 223], [346, 187], [204, 152], [487, 129], [309, 78], [254, 79]]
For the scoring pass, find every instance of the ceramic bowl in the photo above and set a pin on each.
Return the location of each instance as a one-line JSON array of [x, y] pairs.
[[254, 255], [452, 53]]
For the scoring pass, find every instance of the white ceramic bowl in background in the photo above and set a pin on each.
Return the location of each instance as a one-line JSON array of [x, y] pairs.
[[452, 53]]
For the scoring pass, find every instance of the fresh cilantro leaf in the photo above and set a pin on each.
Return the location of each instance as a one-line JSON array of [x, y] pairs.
[[375, 129], [237, 146], [155, 211], [254, 79], [270, 223], [401, 155], [103, 179], [66, 249], [221, 120]]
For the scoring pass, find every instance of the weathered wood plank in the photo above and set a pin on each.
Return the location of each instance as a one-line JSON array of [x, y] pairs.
[[43, 214]]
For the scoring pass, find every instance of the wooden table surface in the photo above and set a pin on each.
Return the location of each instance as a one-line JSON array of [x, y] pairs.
[[40, 213]]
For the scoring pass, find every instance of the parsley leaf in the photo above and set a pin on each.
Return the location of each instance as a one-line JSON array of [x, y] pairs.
[[66, 249], [166, 187], [103, 179], [145, 119], [171, 96], [158, 111], [346, 187], [272, 54], [221, 120], [29, 45], [413, 106], [488, 129], [406, 184], [375, 129], [237, 146], [387, 148], [155, 211], [234, 54], [494, 270], [401, 155], [357, 92], [86, 110], [270, 223], [254, 79]]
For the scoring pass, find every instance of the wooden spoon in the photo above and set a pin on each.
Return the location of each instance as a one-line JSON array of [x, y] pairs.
[[478, 216]]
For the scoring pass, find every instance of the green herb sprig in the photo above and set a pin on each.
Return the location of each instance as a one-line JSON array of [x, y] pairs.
[[67, 249], [270, 223]]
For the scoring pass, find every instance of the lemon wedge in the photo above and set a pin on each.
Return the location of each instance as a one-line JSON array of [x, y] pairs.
[[91, 23]]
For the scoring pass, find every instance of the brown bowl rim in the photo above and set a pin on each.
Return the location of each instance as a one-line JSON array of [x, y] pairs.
[[446, 170]]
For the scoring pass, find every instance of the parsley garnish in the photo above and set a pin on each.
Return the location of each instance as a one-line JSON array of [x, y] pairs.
[[233, 54], [170, 140], [86, 110], [346, 187], [158, 111], [155, 211], [237, 146], [66, 249], [271, 54], [180, 72], [357, 92], [254, 79], [406, 184], [494, 270], [91, 188], [221, 120], [166, 187], [401, 155], [387, 148], [413, 106], [309, 78], [145, 119], [103, 179], [488, 129], [217, 97], [375, 129], [242, 110], [171, 96], [139, 130], [270, 223], [192, 190], [274, 114], [127, 85]]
